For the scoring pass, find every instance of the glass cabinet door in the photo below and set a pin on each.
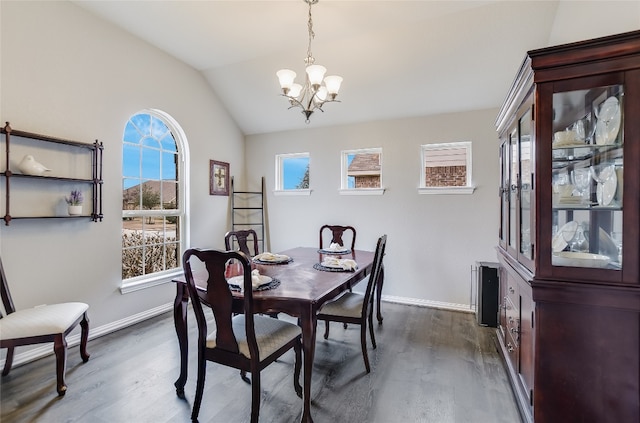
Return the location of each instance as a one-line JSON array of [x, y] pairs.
[[526, 192], [587, 167], [504, 193], [513, 190]]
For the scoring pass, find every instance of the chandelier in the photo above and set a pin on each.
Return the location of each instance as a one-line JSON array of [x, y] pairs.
[[317, 89]]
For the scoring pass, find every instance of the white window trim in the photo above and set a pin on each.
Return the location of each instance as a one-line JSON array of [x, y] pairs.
[[279, 180], [446, 190], [362, 191], [158, 278], [344, 178], [469, 188], [292, 192]]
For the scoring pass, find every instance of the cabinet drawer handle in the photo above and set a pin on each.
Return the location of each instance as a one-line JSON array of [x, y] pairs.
[[511, 290], [510, 347]]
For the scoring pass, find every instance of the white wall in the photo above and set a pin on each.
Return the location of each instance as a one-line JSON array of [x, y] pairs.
[[433, 240], [68, 74]]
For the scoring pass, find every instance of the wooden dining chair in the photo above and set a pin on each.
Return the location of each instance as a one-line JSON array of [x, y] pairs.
[[337, 233], [247, 341], [41, 324], [242, 238], [352, 307]]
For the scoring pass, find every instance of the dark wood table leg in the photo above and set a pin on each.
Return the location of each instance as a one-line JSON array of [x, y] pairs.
[[180, 322], [308, 322], [379, 293]]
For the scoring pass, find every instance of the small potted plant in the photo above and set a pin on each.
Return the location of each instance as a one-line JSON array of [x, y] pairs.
[[74, 201]]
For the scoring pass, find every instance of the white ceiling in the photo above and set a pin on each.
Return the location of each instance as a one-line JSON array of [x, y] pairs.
[[398, 58]]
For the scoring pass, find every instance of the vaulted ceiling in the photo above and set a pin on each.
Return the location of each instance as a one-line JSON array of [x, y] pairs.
[[398, 58]]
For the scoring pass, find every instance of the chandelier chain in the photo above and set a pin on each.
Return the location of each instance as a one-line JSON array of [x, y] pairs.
[[312, 35]]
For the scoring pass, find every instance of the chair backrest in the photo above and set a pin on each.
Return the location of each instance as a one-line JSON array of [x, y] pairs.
[[7, 302], [337, 231], [242, 237], [375, 270], [218, 295]]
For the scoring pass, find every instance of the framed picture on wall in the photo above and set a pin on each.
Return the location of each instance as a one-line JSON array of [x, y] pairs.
[[218, 178]]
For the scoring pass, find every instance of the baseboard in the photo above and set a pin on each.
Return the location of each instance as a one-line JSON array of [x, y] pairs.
[[46, 349], [465, 308]]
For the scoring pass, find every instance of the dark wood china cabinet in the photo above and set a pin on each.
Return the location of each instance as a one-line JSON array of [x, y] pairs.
[[569, 240]]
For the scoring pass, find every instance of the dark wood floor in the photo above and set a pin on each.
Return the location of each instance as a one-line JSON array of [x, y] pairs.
[[430, 366]]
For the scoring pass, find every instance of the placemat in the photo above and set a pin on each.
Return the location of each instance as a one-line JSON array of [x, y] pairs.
[[319, 266], [272, 262], [271, 285], [339, 253]]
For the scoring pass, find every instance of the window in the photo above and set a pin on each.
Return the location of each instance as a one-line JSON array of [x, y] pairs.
[[153, 199], [362, 171], [292, 174], [446, 169]]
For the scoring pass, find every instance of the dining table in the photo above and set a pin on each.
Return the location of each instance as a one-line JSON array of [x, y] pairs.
[[305, 285]]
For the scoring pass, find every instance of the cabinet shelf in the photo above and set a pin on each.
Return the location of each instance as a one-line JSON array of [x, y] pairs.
[[67, 148]]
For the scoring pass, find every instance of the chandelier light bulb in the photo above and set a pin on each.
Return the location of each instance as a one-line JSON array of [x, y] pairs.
[[286, 78], [321, 94], [333, 82], [316, 74], [295, 90]]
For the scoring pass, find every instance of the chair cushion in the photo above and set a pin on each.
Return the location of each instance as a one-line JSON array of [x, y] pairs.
[[44, 320], [271, 334], [347, 305]]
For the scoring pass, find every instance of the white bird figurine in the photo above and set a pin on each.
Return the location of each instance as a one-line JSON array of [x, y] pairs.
[[29, 166]]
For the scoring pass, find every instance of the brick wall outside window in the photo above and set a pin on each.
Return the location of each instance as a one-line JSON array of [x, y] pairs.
[[369, 181], [446, 176]]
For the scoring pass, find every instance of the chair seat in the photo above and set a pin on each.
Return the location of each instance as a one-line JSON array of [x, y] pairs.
[[348, 305], [271, 335], [38, 321]]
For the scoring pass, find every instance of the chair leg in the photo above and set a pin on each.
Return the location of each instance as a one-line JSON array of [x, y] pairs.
[[8, 361], [84, 337], [296, 368], [373, 337], [326, 329], [202, 368], [255, 396], [363, 341], [60, 349]]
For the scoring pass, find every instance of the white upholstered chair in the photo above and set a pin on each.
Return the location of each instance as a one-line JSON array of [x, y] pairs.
[[48, 323]]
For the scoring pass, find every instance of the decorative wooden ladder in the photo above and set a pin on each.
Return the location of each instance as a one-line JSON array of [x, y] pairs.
[[247, 211]]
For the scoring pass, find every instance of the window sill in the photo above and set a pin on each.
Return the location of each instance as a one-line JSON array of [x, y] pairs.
[[292, 192], [143, 282], [362, 191], [447, 190]]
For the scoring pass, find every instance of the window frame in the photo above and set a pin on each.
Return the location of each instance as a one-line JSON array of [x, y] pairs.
[[468, 188], [344, 172], [182, 211], [279, 176]]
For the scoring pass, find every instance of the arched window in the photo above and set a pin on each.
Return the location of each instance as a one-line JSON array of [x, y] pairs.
[[154, 198]]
